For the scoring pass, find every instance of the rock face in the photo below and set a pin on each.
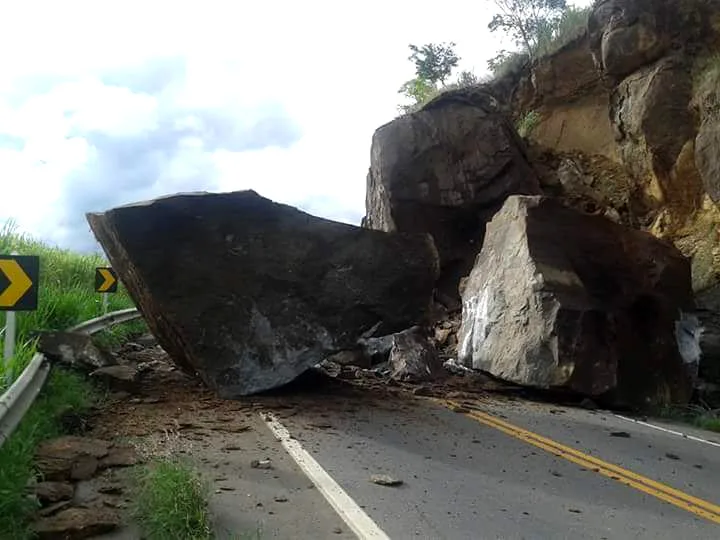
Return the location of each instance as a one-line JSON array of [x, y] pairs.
[[249, 293], [445, 170], [559, 299]]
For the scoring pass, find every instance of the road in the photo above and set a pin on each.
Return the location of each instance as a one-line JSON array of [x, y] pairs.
[[487, 468], [467, 477]]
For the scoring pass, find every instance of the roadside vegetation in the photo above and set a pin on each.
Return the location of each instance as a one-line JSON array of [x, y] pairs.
[[171, 502], [66, 298], [537, 28], [700, 416]]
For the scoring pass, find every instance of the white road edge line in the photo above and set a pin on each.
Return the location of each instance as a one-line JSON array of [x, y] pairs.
[[354, 516], [659, 428]]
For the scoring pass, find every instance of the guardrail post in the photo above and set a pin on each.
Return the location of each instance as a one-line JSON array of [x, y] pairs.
[[9, 343]]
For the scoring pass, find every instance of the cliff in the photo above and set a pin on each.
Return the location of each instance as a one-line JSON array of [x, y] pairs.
[[624, 121]]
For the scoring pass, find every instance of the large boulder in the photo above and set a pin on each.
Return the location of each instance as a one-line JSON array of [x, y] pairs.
[[445, 170], [249, 293], [643, 106], [626, 35], [563, 300]]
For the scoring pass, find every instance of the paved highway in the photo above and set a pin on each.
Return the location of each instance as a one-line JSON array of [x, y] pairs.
[[504, 469]]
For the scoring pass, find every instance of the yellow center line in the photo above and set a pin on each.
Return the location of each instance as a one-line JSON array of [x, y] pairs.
[[661, 491]]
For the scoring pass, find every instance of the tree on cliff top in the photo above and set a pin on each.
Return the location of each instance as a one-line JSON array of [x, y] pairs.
[[529, 22], [433, 64]]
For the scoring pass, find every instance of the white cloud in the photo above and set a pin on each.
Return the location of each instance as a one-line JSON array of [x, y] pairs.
[[103, 104]]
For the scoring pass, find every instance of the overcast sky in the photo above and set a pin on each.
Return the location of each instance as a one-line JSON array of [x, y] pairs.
[[101, 106]]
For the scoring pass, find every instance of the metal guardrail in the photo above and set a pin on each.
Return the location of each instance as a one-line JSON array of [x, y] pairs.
[[16, 401]]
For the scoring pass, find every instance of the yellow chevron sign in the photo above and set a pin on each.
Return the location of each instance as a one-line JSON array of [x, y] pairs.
[[19, 282], [106, 280]]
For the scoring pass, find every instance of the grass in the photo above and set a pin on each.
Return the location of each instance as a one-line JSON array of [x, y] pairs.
[[172, 502], [66, 298], [528, 123], [695, 415]]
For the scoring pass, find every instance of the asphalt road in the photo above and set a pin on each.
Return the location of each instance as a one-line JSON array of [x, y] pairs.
[[467, 476]]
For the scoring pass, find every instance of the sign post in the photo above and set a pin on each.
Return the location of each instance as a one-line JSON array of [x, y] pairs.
[[106, 282], [19, 275]]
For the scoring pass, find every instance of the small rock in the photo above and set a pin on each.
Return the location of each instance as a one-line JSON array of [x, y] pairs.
[[261, 464], [70, 457], [672, 456], [52, 492], [588, 404], [575, 510], [423, 390], [337, 530], [120, 456], [385, 480], [459, 408], [53, 508], [281, 499], [231, 447], [121, 377], [622, 434], [78, 523], [147, 340], [84, 468], [75, 349]]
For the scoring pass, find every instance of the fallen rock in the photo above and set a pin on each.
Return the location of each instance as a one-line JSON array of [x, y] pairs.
[[284, 291], [120, 456], [563, 300], [70, 457], [353, 357], [52, 492], [385, 480], [413, 357], [446, 170], [120, 377], [74, 349], [78, 523], [146, 340], [377, 349]]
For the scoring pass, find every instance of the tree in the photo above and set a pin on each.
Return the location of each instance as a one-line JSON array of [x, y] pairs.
[[529, 22], [419, 91], [466, 78], [434, 62]]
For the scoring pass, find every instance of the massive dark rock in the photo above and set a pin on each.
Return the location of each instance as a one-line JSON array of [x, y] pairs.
[[445, 170], [559, 299], [626, 35], [249, 293]]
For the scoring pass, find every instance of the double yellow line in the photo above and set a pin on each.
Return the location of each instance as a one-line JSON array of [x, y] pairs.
[[665, 493]]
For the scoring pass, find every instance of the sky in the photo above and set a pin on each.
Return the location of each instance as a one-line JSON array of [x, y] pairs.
[[107, 103]]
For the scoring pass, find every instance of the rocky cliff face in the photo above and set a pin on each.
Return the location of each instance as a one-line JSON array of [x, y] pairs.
[[626, 122]]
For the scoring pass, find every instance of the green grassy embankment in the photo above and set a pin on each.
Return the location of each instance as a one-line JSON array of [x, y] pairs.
[[66, 298]]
